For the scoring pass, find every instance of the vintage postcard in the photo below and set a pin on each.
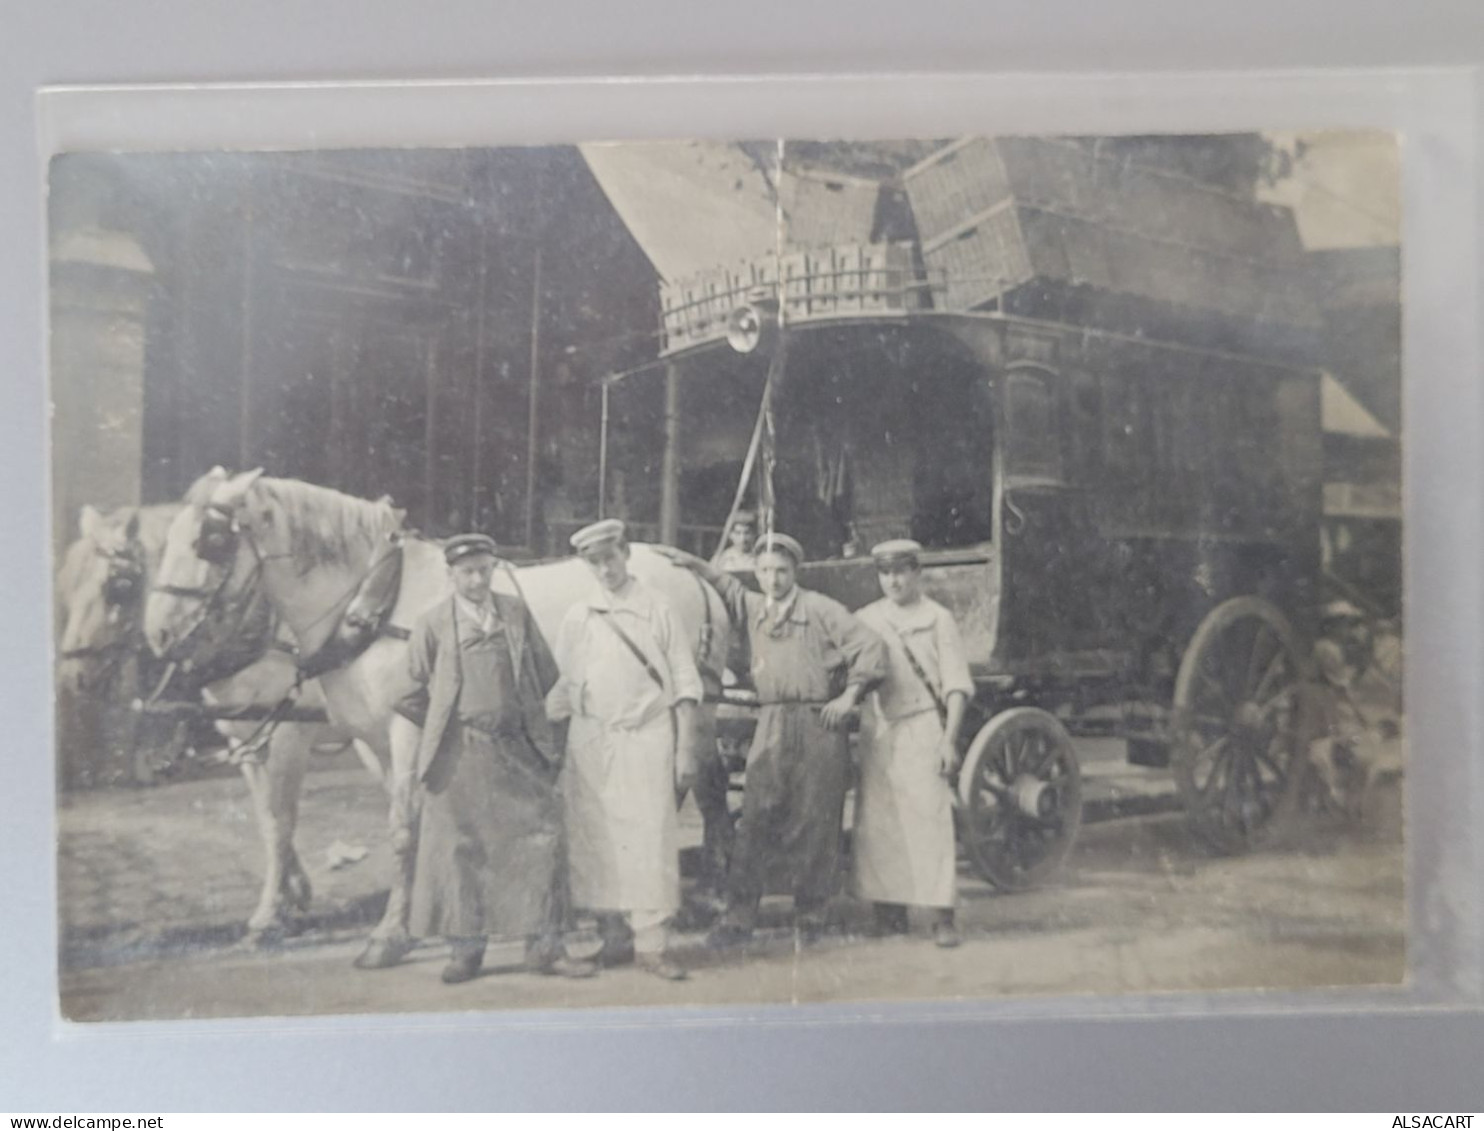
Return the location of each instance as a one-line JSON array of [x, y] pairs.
[[726, 573]]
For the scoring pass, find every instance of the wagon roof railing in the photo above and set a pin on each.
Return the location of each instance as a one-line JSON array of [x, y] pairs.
[[860, 280]]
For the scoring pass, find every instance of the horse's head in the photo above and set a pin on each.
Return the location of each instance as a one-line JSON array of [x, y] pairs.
[[207, 564], [100, 588], [241, 538]]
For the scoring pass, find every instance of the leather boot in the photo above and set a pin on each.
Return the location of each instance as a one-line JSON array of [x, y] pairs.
[[464, 962], [661, 966], [888, 919], [945, 932], [548, 956]]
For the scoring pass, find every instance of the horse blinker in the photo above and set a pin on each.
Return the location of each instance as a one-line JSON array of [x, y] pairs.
[[216, 542]]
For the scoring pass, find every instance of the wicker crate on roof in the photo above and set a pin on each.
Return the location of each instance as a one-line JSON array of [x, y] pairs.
[[1016, 222], [822, 209]]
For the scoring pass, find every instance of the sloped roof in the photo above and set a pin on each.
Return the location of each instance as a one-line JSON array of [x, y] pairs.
[[1360, 295], [1342, 414], [690, 204], [100, 247]]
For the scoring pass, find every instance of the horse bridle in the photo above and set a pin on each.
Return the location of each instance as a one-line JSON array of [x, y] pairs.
[[121, 590], [216, 544], [125, 575], [217, 540]]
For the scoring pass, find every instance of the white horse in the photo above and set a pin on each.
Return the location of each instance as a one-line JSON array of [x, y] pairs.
[[100, 589], [309, 548]]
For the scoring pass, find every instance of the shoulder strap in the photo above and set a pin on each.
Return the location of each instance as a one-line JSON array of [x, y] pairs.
[[606, 615], [458, 651], [921, 673]]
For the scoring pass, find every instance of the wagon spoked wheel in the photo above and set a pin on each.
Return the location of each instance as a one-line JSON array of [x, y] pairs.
[[1236, 745], [1019, 798]]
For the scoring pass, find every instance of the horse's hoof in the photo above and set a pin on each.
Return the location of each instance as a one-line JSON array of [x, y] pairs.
[[264, 938], [381, 954], [300, 893]]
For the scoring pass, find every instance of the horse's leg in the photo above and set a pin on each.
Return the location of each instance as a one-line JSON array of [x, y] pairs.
[[372, 763], [274, 782], [268, 914], [392, 938], [712, 782], [288, 759]]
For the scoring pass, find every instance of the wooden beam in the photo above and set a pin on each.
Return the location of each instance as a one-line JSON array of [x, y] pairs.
[[246, 424], [603, 455], [670, 473], [431, 520], [533, 419], [476, 455]]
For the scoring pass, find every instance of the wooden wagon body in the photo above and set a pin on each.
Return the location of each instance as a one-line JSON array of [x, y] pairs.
[[1084, 377], [1126, 531]]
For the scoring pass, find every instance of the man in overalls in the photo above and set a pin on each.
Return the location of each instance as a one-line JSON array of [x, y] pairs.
[[812, 664]]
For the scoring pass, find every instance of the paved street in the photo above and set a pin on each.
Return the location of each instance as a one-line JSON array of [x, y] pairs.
[[156, 885]]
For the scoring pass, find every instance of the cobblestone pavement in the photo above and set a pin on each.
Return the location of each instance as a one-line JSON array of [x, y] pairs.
[[1136, 911], [156, 885], [169, 869], [145, 872]]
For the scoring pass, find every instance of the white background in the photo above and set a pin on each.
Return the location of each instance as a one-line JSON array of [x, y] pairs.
[[826, 1057]]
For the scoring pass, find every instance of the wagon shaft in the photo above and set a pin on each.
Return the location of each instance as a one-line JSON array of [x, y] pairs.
[[251, 713]]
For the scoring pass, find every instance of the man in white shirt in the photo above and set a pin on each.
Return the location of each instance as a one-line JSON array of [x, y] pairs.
[[630, 689], [904, 847]]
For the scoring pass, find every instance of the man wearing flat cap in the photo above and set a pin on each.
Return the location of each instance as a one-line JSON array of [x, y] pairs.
[[630, 689], [490, 830], [812, 663], [905, 854]]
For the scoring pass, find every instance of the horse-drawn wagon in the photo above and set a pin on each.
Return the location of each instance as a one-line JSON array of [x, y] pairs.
[[1126, 529]]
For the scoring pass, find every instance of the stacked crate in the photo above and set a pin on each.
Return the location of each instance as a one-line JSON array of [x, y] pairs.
[[823, 209], [996, 215], [962, 201]]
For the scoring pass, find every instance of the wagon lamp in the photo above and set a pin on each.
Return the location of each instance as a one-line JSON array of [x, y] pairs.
[[753, 326]]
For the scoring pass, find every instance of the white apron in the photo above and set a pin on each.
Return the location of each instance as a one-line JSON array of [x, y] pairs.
[[904, 846], [618, 783], [623, 839]]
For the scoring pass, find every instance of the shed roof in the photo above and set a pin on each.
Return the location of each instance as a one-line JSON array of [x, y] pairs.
[[1342, 414]]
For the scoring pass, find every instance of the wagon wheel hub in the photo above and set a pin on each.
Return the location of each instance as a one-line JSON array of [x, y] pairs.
[[1248, 719], [1020, 798], [1033, 797]]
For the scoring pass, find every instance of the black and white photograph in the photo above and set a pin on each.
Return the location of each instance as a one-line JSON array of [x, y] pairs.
[[727, 573]]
